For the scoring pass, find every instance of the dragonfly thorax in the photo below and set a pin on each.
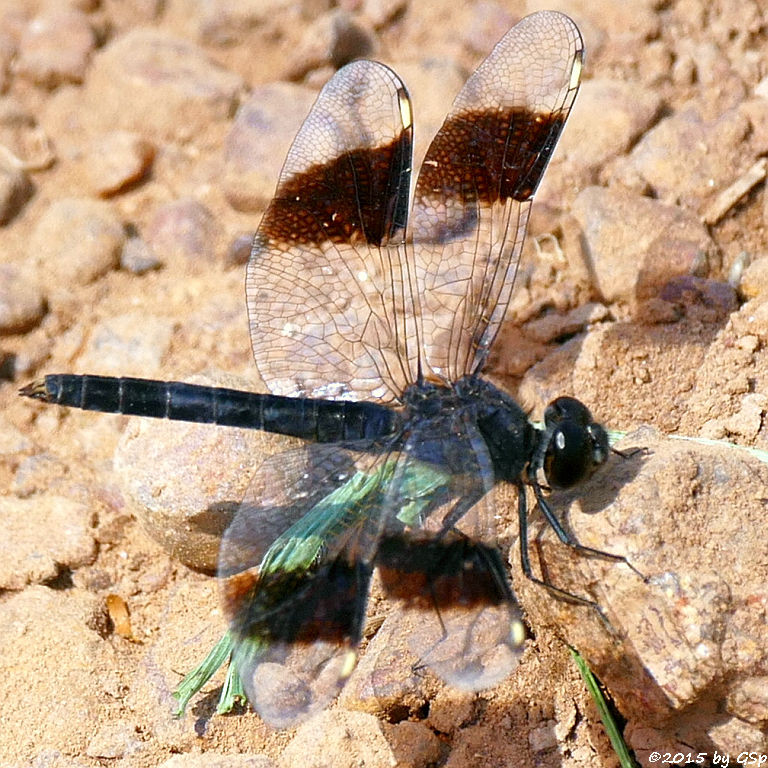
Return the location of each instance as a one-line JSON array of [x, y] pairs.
[[509, 436], [473, 404]]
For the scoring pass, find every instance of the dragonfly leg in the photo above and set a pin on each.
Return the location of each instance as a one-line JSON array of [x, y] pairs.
[[567, 538], [525, 562]]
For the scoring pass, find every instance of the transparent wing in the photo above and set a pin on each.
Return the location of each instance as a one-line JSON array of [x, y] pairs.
[[439, 555], [329, 289], [295, 566], [474, 192]]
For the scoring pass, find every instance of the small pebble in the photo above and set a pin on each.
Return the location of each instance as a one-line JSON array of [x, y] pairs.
[[56, 47], [164, 87], [710, 300], [116, 160], [489, 22], [415, 745], [129, 342], [15, 188], [636, 245], [686, 158], [335, 38], [387, 678], [76, 240], [258, 141], [754, 280], [37, 473], [553, 326], [627, 110], [22, 305], [113, 740], [381, 12], [239, 251], [543, 737], [230, 23], [217, 760], [184, 229], [354, 739], [138, 257]]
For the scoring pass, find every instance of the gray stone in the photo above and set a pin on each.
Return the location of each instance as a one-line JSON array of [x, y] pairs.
[[239, 251], [138, 257]]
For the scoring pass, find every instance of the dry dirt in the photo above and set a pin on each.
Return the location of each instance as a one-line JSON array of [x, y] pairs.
[[626, 304]]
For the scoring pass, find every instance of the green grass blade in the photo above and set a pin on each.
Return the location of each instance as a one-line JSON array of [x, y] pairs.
[[202, 673], [609, 722], [614, 436]]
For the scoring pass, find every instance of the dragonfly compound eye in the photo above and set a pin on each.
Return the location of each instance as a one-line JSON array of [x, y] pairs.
[[577, 445]]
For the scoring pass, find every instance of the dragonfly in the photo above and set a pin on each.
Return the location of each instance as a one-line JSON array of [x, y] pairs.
[[371, 332]]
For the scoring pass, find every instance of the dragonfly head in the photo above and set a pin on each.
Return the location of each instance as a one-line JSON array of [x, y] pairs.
[[575, 445]]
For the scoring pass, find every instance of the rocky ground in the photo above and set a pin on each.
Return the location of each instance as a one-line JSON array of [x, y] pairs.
[[139, 143]]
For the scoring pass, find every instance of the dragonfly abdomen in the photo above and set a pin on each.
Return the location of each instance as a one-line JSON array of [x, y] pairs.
[[319, 420]]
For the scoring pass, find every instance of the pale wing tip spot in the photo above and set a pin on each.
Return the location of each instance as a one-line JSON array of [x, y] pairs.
[[348, 664], [405, 107], [578, 65], [517, 632]]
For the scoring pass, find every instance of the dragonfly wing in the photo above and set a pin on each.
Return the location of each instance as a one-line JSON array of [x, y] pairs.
[[295, 566], [297, 560], [439, 555], [329, 286], [474, 192]]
